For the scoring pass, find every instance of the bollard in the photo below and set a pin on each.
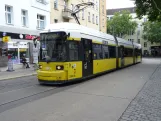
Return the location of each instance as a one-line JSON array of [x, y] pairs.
[[10, 66]]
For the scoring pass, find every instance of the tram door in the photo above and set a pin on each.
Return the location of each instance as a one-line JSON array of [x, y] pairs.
[[87, 62], [136, 53], [122, 56]]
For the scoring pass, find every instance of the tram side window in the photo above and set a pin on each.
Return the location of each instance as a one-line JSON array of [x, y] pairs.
[[112, 51], [97, 52], [105, 51], [119, 52], [73, 51], [139, 52], [128, 52]]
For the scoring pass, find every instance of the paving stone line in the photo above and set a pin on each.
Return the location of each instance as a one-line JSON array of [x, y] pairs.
[[146, 106]]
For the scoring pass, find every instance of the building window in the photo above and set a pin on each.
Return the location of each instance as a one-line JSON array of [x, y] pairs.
[[24, 17], [93, 5], [96, 6], [55, 4], [93, 19], [103, 23], [89, 19], [65, 4], [83, 14], [55, 20], [40, 22], [9, 14], [97, 20], [138, 32], [145, 44], [145, 20], [139, 41], [72, 7], [41, 1]]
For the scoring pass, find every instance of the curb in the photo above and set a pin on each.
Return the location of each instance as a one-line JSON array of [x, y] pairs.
[[3, 79]]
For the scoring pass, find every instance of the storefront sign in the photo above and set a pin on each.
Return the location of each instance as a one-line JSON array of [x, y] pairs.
[[17, 45], [5, 39], [29, 37]]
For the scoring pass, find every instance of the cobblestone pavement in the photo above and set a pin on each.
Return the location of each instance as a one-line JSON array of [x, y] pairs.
[[146, 106]]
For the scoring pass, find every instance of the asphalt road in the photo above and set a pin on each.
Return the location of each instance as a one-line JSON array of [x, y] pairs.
[[104, 98]]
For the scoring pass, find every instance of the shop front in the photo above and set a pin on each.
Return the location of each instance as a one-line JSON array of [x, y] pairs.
[[16, 50], [3, 53], [19, 45]]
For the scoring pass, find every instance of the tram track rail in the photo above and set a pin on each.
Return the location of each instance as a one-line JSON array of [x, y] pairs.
[[26, 98]]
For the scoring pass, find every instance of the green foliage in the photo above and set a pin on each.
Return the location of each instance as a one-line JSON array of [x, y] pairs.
[[152, 31], [121, 24], [151, 8]]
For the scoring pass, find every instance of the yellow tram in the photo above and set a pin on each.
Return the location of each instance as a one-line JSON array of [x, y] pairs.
[[71, 52]]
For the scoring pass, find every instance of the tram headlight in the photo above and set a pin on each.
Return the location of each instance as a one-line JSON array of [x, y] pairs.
[[59, 67], [40, 66]]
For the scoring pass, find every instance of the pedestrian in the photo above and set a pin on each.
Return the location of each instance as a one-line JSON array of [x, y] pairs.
[[24, 61]]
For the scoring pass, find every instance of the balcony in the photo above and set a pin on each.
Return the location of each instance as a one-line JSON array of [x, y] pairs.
[[66, 13]]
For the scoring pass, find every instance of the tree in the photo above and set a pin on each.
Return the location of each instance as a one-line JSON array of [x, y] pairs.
[[151, 8], [121, 24], [152, 31]]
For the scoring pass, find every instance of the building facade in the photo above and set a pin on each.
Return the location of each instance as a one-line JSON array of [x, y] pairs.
[[148, 48], [61, 12], [103, 18], [21, 20]]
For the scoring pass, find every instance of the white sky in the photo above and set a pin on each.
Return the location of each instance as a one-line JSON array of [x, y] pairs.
[[110, 4]]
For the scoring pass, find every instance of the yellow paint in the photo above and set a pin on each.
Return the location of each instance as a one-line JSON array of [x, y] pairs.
[[75, 39], [103, 65], [72, 70], [5, 39], [96, 42], [138, 58], [128, 47], [112, 45], [128, 60], [22, 49], [119, 62], [49, 72]]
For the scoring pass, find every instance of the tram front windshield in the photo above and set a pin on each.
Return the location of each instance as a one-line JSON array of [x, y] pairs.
[[53, 46]]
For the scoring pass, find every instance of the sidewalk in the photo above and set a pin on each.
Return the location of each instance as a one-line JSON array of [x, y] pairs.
[[18, 72], [146, 106]]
